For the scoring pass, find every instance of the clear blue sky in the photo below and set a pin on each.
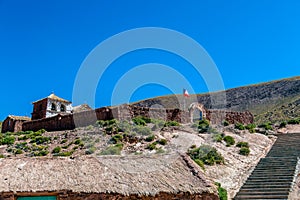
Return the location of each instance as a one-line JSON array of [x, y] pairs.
[[43, 43]]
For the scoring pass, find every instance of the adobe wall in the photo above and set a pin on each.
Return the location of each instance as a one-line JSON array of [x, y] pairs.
[[127, 112], [11, 125], [104, 196]]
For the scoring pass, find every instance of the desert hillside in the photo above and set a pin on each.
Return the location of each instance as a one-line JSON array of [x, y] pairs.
[[270, 101]]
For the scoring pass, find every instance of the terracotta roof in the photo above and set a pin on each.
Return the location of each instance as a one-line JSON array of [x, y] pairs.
[[80, 108], [22, 118], [54, 97], [140, 175]]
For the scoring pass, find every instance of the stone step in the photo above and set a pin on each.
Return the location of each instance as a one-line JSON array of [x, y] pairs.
[[252, 196]]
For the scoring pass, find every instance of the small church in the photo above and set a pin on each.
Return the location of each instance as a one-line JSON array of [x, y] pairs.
[[49, 106]]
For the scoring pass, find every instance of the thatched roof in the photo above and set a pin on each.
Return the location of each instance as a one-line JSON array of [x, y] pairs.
[[53, 97], [139, 175], [81, 108], [21, 118]]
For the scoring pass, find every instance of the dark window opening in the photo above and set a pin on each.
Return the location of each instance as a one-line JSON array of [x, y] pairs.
[[53, 107], [62, 108], [40, 107]]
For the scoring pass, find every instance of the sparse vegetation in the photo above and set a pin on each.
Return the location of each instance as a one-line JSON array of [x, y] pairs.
[[229, 140], [218, 137], [150, 138], [56, 150], [251, 128], [171, 123], [242, 144], [245, 151], [266, 126], [293, 121], [239, 126], [226, 123], [162, 141], [203, 126], [207, 154], [113, 150], [221, 191]]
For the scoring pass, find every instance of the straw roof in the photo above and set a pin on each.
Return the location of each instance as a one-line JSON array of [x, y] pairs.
[[53, 97], [139, 175], [22, 118]]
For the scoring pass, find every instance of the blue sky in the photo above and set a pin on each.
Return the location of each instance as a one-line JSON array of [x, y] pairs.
[[43, 44]]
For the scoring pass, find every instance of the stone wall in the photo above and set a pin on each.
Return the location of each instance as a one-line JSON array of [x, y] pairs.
[[105, 196], [126, 112]]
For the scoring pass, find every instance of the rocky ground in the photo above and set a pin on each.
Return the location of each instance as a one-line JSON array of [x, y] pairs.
[[152, 139]]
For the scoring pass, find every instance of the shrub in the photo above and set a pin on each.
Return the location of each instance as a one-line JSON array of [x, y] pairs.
[[242, 144], [159, 150], [113, 150], [141, 130], [18, 151], [9, 140], [239, 126], [229, 140], [251, 128], [171, 123], [150, 138], [207, 154], [221, 191], [218, 137], [63, 141], [77, 141], [225, 123], [203, 126], [293, 121], [245, 151], [41, 153], [56, 150], [117, 138], [282, 124], [162, 141], [200, 163], [90, 150], [40, 140], [152, 146], [158, 124], [266, 126], [2, 156], [64, 154], [139, 121]]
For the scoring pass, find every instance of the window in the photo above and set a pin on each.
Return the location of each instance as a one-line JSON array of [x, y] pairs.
[[40, 107], [62, 108], [38, 198], [53, 107]]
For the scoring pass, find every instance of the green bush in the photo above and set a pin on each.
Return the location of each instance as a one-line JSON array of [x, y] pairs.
[[242, 144], [64, 154], [142, 130], [218, 137], [152, 146], [229, 140], [113, 150], [63, 141], [162, 141], [117, 138], [239, 126], [150, 138], [18, 151], [41, 153], [9, 140], [225, 123], [245, 151], [200, 163], [282, 124], [90, 150], [171, 123], [251, 127], [203, 126], [221, 191], [40, 140], [207, 154], [56, 149], [139, 121], [266, 126], [293, 121], [158, 124]]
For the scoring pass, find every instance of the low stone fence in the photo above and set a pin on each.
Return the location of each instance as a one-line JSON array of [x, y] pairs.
[[126, 112]]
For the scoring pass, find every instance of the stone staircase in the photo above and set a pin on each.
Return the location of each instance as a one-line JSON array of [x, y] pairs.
[[273, 176]]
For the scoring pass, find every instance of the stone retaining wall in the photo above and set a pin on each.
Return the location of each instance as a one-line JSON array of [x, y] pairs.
[[126, 112]]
